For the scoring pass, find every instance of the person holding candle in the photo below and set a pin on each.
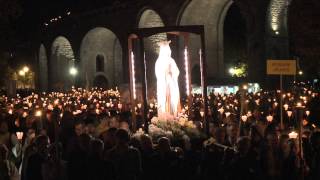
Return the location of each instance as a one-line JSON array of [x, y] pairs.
[[8, 171]]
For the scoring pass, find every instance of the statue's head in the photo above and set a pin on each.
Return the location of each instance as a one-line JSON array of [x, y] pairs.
[[164, 48]]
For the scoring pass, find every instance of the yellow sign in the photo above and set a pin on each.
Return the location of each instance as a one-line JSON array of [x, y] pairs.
[[281, 67]]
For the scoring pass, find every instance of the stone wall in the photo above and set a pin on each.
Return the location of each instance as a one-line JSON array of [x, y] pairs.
[[80, 29]]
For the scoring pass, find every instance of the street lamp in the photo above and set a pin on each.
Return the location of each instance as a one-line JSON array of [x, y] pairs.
[[22, 73], [232, 71], [73, 71], [25, 69], [300, 72]]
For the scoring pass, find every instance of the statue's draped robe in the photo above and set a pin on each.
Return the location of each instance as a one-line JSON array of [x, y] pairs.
[[167, 73]]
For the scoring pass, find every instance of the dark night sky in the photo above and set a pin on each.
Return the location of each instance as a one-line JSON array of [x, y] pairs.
[[36, 12]]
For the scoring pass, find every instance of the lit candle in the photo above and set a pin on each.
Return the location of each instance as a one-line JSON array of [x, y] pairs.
[[25, 114], [202, 113], [270, 118], [19, 135], [221, 110], [293, 135], [307, 113], [38, 113]]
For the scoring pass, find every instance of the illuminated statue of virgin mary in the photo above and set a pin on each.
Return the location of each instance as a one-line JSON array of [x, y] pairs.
[[167, 73]]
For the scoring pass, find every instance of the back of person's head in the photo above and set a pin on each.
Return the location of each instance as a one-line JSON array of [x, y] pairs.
[[256, 133], [112, 131], [114, 122], [41, 141], [84, 142], [243, 145], [146, 142], [67, 120], [124, 125], [220, 134], [122, 136], [96, 147], [283, 142], [55, 151], [271, 136], [232, 129], [79, 128], [164, 144]]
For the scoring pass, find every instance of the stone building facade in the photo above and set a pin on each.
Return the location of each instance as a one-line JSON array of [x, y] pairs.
[[95, 42]]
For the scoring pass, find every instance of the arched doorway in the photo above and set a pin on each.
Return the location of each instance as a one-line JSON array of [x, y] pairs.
[[148, 19], [101, 81], [100, 63], [211, 14], [101, 44], [235, 38], [277, 30], [62, 59], [303, 29]]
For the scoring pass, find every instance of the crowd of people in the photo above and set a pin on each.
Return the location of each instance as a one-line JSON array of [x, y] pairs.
[[87, 134]]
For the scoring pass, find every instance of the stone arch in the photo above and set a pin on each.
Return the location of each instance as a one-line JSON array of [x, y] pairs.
[[235, 38], [277, 28], [43, 68], [101, 81], [100, 41], [148, 19], [277, 17], [62, 59], [211, 14]]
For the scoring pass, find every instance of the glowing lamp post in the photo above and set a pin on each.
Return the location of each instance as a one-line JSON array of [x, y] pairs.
[[133, 76], [25, 69], [232, 71], [186, 65], [23, 73], [73, 71]]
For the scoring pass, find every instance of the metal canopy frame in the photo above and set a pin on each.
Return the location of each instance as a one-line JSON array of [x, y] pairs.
[[184, 31]]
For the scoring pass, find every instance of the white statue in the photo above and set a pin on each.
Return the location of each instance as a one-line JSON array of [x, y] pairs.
[[167, 74]]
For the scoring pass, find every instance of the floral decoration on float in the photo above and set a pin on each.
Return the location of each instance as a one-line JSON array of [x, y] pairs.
[[177, 130]]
